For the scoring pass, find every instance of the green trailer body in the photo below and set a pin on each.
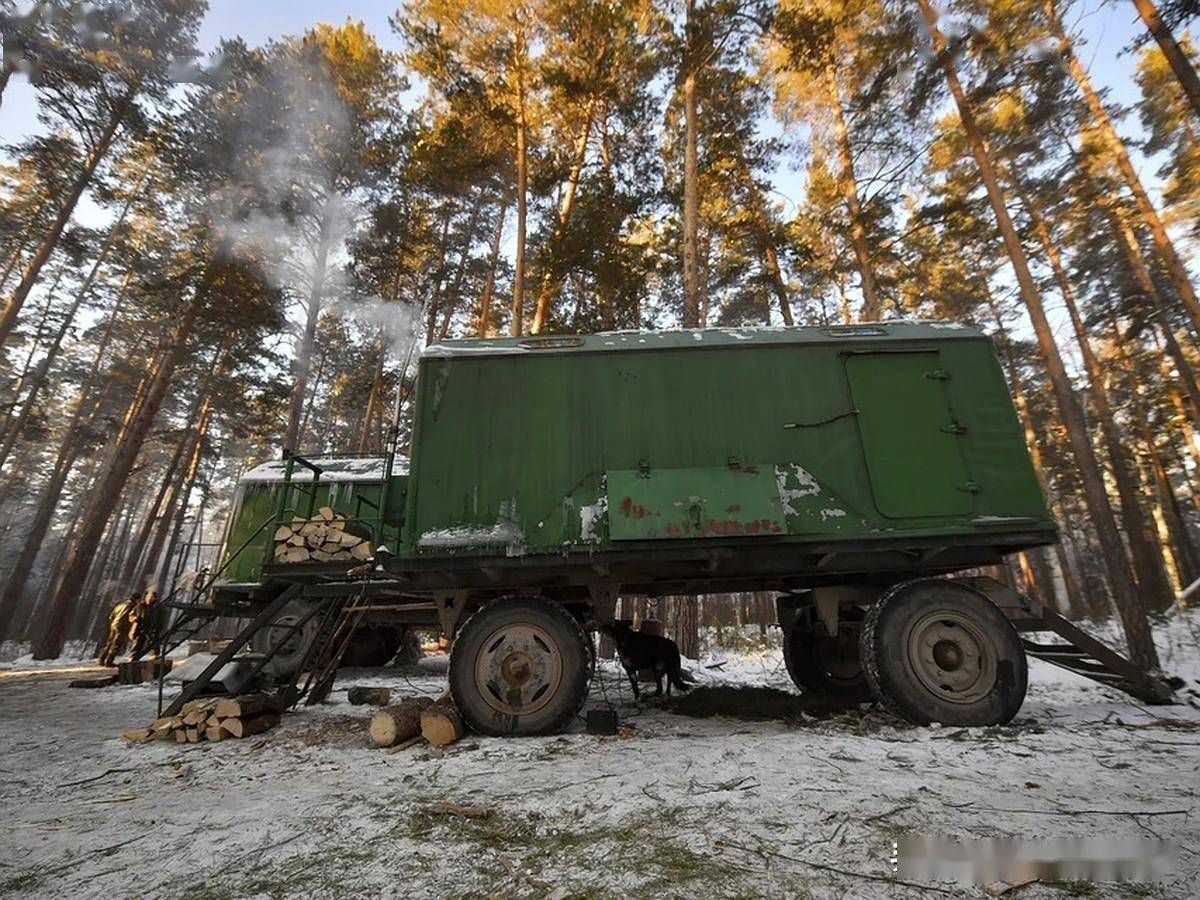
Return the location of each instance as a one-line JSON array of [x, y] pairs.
[[544, 448]]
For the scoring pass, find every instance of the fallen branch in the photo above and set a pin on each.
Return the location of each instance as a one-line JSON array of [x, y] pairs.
[[103, 774]]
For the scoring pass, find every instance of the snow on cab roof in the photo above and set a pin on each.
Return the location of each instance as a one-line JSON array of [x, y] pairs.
[[609, 341], [333, 469]]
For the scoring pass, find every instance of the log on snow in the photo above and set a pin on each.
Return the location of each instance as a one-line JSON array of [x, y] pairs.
[[398, 723], [241, 728], [245, 706], [441, 724]]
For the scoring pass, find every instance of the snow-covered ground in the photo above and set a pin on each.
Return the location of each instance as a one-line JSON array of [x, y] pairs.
[[679, 806]]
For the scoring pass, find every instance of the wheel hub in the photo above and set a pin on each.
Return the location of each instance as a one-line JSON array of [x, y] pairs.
[[839, 656], [519, 669], [952, 657]]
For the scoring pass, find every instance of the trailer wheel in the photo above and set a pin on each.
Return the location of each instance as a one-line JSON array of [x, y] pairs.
[[831, 666], [295, 645], [520, 667], [938, 651]]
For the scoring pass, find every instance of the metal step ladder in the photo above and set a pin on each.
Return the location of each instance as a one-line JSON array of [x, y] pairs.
[[339, 616], [1081, 653]]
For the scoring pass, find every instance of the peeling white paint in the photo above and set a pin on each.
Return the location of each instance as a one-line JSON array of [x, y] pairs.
[[590, 517], [805, 485], [832, 513]]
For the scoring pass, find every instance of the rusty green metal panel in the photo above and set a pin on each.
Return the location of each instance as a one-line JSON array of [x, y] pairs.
[[911, 436], [515, 439], [729, 501]]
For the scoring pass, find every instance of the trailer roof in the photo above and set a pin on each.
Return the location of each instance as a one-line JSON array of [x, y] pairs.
[[621, 341], [357, 469]]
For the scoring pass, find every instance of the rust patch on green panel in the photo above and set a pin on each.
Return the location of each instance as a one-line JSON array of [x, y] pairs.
[[731, 501]]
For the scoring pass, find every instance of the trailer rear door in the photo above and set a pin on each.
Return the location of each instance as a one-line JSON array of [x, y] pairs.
[[910, 436]]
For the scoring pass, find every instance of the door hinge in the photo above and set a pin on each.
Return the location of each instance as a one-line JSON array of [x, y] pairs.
[[954, 428], [970, 487]]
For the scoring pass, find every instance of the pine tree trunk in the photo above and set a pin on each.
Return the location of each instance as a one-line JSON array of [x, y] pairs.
[[1162, 242], [107, 491], [33, 269], [460, 271], [548, 289], [517, 325], [765, 242], [872, 308], [1180, 64], [304, 349], [41, 374], [38, 528], [1147, 559], [189, 483], [1127, 242], [374, 398], [35, 537], [1038, 561], [6, 71], [1116, 561], [190, 446], [489, 285], [691, 177], [1179, 539]]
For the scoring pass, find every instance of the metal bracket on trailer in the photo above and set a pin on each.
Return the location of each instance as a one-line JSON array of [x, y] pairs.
[[604, 602], [450, 605], [1082, 653]]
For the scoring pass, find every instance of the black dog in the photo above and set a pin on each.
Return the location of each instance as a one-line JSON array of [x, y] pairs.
[[646, 651]]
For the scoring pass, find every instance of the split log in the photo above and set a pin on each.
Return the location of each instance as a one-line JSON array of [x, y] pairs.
[[441, 724], [192, 735], [325, 513], [296, 554], [215, 733], [136, 734], [245, 706], [398, 723], [240, 728], [195, 717], [181, 736], [283, 532], [361, 551]]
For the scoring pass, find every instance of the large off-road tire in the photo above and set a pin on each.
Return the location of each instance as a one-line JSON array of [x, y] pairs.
[[288, 659], [830, 666], [938, 651], [520, 667]]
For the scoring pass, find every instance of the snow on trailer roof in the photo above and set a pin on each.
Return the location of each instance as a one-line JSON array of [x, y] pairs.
[[333, 469], [617, 341]]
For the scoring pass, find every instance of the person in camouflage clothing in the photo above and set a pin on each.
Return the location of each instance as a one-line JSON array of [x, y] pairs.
[[147, 625], [120, 625]]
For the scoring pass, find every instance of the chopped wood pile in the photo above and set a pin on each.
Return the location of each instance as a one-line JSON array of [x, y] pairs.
[[213, 719], [326, 537]]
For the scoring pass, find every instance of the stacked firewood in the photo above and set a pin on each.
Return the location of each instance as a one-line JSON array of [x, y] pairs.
[[326, 537], [213, 719]]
